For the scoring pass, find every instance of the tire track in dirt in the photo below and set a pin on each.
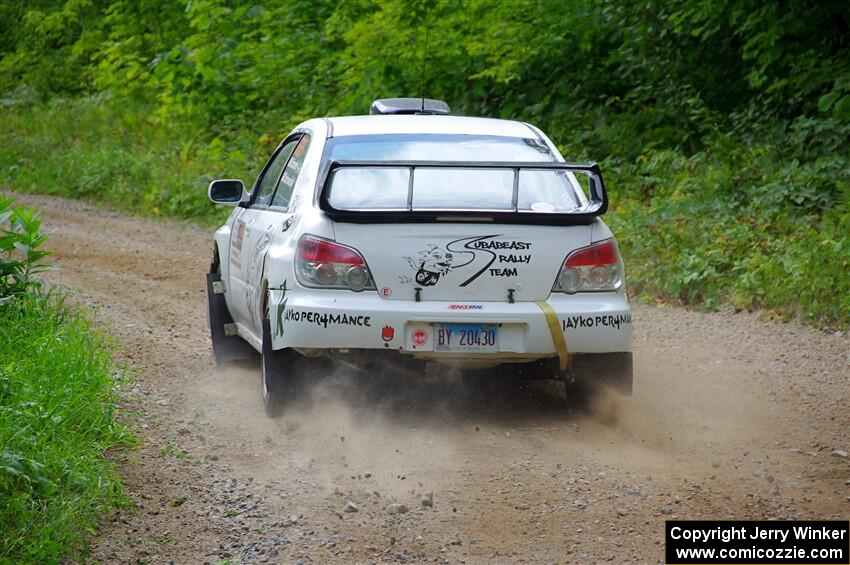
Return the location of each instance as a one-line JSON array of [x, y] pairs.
[[733, 417]]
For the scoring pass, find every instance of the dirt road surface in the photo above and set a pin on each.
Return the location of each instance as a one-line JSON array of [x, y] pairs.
[[734, 416]]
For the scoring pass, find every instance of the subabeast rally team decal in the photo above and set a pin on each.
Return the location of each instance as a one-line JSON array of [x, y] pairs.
[[480, 255]]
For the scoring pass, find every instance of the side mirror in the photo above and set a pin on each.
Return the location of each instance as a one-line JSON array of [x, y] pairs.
[[228, 192]]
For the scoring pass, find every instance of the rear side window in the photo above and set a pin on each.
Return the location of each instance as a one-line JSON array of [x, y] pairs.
[[270, 177], [283, 194]]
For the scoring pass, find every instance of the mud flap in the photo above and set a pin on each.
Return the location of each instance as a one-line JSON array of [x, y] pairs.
[[225, 347]]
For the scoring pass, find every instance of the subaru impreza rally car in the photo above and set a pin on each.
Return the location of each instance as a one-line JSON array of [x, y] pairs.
[[420, 240]]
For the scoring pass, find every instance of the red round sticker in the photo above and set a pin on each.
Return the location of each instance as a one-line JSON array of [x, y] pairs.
[[419, 337], [387, 333]]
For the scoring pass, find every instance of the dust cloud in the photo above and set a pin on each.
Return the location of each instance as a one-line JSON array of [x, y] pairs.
[[401, 435]]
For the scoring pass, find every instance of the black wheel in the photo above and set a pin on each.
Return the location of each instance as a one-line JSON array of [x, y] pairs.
[[277, 375]]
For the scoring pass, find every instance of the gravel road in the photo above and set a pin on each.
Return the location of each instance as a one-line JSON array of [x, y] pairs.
[[735, 415]]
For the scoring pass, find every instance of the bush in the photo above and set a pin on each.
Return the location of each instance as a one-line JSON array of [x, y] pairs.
[[20, 256], [741, 226]]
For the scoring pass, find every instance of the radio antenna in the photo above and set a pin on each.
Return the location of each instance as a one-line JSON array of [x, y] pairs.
[[425, 54]]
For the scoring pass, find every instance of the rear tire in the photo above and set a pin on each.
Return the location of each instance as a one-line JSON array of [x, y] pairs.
[[277, 375], [286, 375]]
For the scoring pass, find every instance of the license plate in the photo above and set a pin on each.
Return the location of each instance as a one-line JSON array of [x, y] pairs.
[[478, 338]]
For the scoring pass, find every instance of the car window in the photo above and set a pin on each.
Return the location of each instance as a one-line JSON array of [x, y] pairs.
[[467, 189], [546, 191], [271, 175], [290, 174], [451, 187], [379, 189], [431, 147]]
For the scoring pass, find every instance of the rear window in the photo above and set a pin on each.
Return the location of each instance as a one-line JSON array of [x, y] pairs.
[[447, 187], [437, 148]]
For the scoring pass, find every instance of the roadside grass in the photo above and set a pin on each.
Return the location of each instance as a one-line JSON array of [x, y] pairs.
[[95, 149], [57, 420], [753, 220], [57, 407], [741, 226]]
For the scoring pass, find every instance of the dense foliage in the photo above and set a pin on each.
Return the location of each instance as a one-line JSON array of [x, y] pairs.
[[722, 125], [57, 404]]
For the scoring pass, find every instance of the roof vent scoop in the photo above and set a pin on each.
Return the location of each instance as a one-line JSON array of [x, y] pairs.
[[388, 106]]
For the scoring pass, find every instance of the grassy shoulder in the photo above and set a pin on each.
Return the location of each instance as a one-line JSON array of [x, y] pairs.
[[57, 408], [740, 225], [57, 420], [751, 221]]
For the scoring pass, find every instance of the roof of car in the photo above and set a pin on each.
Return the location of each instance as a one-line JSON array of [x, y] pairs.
[[428, 124]]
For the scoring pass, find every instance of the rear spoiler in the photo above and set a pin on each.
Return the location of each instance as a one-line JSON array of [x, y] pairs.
[[596, 206]]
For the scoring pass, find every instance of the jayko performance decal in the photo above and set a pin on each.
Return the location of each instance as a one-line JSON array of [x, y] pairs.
[[480, 255], [606, 320], [325, 319], [322, 319]]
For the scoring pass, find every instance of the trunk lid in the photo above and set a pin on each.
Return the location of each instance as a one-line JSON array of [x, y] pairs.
[[464, 262]]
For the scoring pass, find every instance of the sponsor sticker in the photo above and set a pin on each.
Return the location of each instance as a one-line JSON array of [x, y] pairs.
[[472, 256], [419, 337], [387, 333], [605, 320], [324, 319]]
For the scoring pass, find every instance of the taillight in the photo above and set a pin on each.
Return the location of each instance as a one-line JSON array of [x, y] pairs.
[[326, 264], [591, 269]]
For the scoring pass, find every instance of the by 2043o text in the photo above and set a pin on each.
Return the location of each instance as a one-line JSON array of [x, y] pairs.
[[472, 337]]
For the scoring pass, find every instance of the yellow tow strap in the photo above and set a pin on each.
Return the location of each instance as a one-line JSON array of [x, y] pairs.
[[557, 334]]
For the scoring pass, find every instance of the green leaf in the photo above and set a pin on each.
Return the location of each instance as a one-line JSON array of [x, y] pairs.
[[826, 101]]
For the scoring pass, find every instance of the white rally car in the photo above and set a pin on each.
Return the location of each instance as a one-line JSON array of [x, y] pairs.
[[419, 240]]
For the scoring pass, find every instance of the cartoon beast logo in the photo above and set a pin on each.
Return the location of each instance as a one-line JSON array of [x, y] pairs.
[[430, 264]]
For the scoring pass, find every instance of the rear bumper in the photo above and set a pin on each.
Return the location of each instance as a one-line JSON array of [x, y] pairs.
[[328, 319]]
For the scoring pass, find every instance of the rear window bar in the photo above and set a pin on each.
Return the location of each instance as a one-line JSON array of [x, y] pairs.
[[596, 206]]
